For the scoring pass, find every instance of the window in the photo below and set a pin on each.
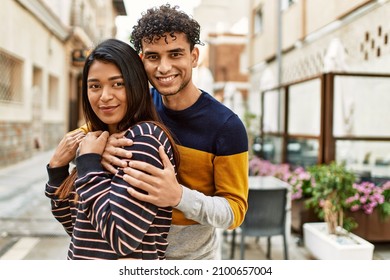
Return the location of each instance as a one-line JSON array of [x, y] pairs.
[[361, 106], [258, 21], [10, 79], [286, 4], [304, 115], [340, 117], [273, 112], [52, 101]]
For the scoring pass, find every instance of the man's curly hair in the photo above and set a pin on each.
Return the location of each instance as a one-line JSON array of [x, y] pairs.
[[166, 19]]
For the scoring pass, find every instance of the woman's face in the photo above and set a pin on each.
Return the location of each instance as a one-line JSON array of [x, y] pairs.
[[107, 93]]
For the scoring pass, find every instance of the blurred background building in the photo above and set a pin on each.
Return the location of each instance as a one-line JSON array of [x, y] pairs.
[[224, 26], [319, 80], [42, 47], [309, 78]]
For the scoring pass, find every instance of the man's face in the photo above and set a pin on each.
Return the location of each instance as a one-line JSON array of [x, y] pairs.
[[169, 65]]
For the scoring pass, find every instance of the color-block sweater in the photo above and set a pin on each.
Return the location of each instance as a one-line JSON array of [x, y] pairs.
[[213, 146]]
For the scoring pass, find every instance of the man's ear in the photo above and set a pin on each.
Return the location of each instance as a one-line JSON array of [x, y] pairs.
[[141, 55], [195, 57]]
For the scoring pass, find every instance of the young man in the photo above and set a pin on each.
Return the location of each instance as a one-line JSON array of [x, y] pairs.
[[211, 188]]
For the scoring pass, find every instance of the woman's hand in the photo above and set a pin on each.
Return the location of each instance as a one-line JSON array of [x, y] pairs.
[[94, 142], [66, 149]]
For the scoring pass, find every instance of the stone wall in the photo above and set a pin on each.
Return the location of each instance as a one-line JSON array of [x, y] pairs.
[[18, 143]]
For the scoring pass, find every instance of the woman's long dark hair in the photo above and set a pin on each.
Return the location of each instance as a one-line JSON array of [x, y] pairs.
[[140, 106]]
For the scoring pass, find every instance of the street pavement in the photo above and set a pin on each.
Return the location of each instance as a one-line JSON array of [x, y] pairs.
[[28, 231], [27, 228]]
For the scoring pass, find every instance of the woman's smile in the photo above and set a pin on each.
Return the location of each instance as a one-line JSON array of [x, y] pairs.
[[108, 109]]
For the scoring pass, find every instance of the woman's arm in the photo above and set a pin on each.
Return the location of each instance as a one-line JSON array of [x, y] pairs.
[[58, 172]]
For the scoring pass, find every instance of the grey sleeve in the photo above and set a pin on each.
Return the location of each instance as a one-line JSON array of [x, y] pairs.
[[206, 210]]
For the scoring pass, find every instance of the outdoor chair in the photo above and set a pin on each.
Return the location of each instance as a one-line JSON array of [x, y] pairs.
[[266, 217]]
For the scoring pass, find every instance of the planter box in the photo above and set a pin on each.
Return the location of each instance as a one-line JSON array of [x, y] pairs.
[[371, 227], [335, 247]]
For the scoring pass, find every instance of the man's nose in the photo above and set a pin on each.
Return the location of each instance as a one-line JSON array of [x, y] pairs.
[[164, 65]]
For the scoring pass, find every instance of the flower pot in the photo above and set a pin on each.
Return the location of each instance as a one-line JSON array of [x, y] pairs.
[[371, 227], [324, 246]]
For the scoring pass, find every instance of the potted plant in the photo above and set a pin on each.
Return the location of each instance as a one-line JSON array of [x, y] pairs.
[[301, 191], [363, 213], [368, 197], [332, 239], [370, 208], [332, 185]]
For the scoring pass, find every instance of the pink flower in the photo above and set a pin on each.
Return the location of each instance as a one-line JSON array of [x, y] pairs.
[[386, 186], [298, 178], [368, 196], [355, 208]]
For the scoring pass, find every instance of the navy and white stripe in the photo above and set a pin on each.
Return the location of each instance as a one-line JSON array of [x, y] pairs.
[[107, 223]]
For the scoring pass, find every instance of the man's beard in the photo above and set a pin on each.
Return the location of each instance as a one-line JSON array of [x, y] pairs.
[[182, 86]]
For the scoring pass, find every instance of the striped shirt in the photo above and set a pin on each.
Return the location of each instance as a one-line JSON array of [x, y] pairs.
[[106, 222]]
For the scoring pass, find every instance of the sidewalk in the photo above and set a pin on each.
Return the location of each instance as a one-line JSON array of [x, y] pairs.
[[17, 185], [27, 228]]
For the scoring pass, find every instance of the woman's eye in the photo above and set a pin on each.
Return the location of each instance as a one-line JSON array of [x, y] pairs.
[[93, 86], [119, 84]]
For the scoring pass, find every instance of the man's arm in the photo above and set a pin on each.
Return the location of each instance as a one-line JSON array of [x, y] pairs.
[[206, 210], [164, 190], [160, 184]]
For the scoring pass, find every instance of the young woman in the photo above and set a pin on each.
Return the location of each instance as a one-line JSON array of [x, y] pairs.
[[96, 210]]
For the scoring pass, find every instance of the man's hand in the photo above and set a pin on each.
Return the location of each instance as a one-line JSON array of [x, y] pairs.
[[114, 151], [94, 142], [160, 184], [66, 149]]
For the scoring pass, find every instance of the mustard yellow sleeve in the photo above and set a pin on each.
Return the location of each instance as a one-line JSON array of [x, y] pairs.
[[84, 128], [233, 185]]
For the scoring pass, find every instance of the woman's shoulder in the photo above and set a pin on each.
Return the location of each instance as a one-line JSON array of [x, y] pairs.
[[146, 128]]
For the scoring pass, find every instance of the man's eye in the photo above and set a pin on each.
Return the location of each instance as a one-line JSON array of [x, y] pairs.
[[151, 57]]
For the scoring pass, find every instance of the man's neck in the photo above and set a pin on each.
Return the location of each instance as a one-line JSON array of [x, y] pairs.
[[182, 100]]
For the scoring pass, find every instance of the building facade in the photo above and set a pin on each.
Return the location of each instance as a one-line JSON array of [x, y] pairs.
[[309, 30], [319, 79], [42, 46]]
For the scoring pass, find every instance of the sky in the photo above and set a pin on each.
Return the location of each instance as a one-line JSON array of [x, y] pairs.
[[135, 8]]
